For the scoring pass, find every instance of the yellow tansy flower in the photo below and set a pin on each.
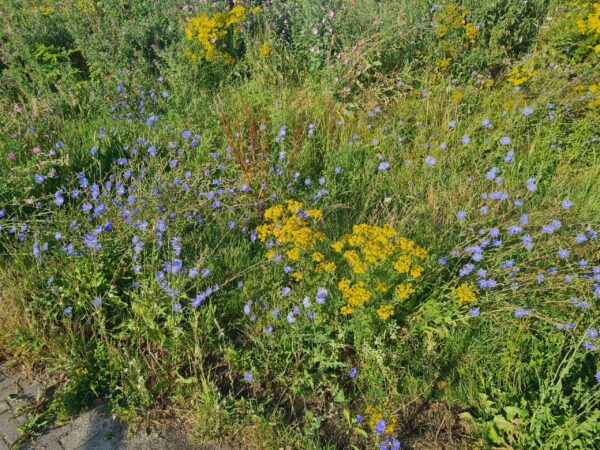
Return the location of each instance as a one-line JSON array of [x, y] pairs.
[[317, 257], [404, 291], [465, 293], [385, 311], [416, 271], [346, 310], [293, 254]]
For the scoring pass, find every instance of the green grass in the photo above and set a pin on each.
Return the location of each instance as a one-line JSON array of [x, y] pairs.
[[367, 88]]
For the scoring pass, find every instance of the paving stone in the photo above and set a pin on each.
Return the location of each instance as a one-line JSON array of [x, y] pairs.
[[24, 392], [91, 430], [6, 383], [51, 445], [8, 427], [4, 406], [50, 440]]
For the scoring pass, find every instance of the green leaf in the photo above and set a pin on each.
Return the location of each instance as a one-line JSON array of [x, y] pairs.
[[361, 432], [346, 415], [512, 412], [493, 435], [339, 397], [503, 424], [466, 416]]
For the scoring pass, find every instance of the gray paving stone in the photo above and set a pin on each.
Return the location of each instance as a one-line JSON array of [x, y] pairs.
[[94, 429], [6, 383], [24, 392], [51, 445], [91, 430], [8, 427], [50, 440], [4, 406]]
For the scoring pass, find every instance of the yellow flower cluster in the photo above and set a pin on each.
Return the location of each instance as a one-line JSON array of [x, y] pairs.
[[265, 50], [377, 415], [590, 24], [404, 264], [355, 262], [472, 32], [457, 95], [210, 31], [288, 224], [381, 288], [293, 254], [594, 89], [46, 10], [376, 245], [356, 296], [465, 293], [519, 76], [318, 257], [443, 64], [385, 311], [377, 253], [448, 18], [404, 291], [454, 17], [322, 265]]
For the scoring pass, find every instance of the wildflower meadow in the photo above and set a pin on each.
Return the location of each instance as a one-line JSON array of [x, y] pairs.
[[306, 224]]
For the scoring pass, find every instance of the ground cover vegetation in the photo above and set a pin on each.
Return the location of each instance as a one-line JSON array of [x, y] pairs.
[[317, 224]]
